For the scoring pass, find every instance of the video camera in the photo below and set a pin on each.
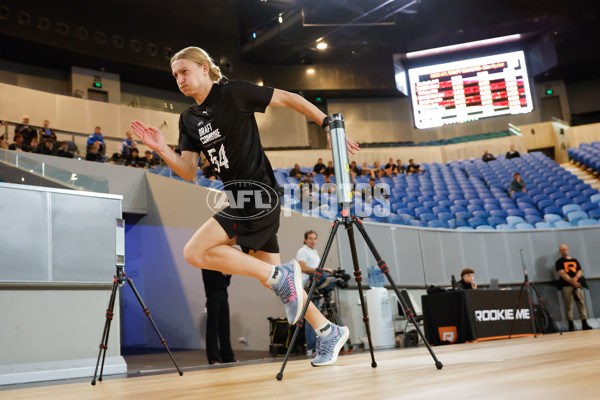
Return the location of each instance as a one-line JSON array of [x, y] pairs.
[[341, 278]]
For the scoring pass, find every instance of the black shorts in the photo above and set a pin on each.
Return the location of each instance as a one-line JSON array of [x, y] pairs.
[[258, 234]]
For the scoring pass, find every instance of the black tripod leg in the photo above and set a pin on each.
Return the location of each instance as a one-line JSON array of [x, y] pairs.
[[147, 312], [104, 342], [512, 325], [358, 277], [300, 323], [386, 271], [543, 305], [531, 314]]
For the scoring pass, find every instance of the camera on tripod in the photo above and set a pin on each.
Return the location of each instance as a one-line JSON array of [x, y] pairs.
[[341, 278]]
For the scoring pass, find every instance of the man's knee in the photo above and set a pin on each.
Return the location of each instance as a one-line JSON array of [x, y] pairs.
[[194, 254]]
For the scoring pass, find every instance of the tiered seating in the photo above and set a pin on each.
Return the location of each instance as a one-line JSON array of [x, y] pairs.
[[471, 194], [587, 154]]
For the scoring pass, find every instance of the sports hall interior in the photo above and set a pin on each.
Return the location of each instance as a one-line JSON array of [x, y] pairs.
[[81, 66]]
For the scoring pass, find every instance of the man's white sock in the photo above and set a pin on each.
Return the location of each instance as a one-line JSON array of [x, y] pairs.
[[324, 330], [274, 277]]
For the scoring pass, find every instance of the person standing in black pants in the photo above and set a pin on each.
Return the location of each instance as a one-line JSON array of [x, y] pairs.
[[218, 341]]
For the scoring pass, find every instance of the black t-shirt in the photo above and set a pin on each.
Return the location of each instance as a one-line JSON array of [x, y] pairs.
[[570, 266], [318, 168], [223, 127], [462, 285]]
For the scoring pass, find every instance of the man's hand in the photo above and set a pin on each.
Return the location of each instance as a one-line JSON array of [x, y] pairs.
[[474, 285], [575, 283], [149, 135], [351, 145]]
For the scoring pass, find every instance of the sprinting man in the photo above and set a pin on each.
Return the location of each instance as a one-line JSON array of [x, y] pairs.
[[222, 126]]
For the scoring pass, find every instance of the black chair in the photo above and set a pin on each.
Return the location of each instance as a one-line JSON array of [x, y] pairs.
[[409, 304]]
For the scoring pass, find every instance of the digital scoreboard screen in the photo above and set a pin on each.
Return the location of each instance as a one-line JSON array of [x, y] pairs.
[[468, 90]]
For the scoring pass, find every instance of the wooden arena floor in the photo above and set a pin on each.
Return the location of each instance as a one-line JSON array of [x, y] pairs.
[[546, 367]]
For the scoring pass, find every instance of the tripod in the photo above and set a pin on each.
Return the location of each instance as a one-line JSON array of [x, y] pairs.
[[344, 195], [348, 222], [118, 281], [330, 311], [531, 290]]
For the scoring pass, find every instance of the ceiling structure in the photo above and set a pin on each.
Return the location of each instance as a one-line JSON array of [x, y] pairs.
[[135, 38]]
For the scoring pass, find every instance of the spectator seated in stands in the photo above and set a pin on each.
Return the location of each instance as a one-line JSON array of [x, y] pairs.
[[487, 156], [93, 152], [329, 169], [47, 133], [34, 146], [134, 159], [354, 170], [365, 170], [373, 191], [328, 186], [4, 144], [63, 150], [517, 184], [148, 159], [128, 145], [116, 159], [48, 147], [413, 168], [306, 197], [296, 173], [319, 167], [400, 167], [377, 171], [26, 130], [96, 137], [390, 168], [18, 143], [512, 153]]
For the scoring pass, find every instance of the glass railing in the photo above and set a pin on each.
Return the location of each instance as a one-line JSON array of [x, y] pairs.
[[52, 173]]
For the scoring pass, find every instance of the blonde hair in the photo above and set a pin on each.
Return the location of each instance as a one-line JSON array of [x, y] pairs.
[[200, 57]]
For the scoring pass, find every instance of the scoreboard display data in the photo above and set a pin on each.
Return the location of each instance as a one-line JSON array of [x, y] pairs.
[[468, 90]]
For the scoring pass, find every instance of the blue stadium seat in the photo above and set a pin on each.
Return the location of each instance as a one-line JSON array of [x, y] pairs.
[[566, 209], [480, 214], [587, 207], [595, 198], [524, 226], [594, 213], [533, 218], [495, 221], [485, 228], [505, 227], [552, 218], [514, 220], [562, 224], [575, 216], [515, 213], [475, 222], [437, 224], [587, 222], [542, 225], [553, 210], [445, 216]]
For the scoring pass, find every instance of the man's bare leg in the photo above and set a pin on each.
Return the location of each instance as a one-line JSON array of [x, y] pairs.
[[313, 315], [211, 248]]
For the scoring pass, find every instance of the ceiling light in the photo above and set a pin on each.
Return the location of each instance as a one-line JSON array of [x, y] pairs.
[[321, 45], [280, 18], [310, 71]]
